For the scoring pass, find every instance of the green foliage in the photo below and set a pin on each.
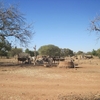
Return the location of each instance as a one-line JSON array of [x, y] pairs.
[[66, 52], [5, 46], [15, 51], [98, 53], [89, 53], [94, 52], [50, 50], [79, 52], [32, 53], [27, 50]]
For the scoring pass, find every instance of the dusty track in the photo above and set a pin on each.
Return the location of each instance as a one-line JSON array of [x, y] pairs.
[[41, 83]]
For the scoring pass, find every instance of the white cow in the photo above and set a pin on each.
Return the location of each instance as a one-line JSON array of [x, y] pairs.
[[34, 60]]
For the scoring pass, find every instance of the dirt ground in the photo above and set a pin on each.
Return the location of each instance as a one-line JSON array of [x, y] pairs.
[[28, 82]]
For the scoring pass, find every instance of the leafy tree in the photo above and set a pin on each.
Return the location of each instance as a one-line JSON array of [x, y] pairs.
[[5, 46], [66, 52], [89, 53], [80, 52], [27, 50], [15, 51], [12, 24], [50, 50], [98, 53], [31, 52], [94, 52]]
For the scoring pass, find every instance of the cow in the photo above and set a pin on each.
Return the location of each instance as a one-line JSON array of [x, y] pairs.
[[42, 60], [34, 60], [88, 56], [56, 59], [39, 60], [48, 60], [23, 57]]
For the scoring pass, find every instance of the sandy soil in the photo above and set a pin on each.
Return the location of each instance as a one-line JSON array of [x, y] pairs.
[[30, 82]]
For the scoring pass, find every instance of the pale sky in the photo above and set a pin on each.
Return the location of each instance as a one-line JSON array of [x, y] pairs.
[[62, 23]]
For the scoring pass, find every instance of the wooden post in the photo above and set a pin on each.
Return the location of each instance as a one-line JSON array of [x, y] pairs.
[[34, 50], [35, 53]]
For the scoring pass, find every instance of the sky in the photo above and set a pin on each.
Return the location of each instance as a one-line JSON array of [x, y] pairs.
[[63, 23]]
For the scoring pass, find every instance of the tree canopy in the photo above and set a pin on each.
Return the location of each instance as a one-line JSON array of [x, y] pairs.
[[50, 50], [15, 51], [80, 52], [13, 24], [66, 52], [32, 53], [5, 46]]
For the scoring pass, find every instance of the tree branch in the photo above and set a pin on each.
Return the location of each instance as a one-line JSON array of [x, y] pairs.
[[13, 24]]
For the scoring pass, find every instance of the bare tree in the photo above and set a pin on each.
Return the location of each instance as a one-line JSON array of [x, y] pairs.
[[12, 24], [95, 26]]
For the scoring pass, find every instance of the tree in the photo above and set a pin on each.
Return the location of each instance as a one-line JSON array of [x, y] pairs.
[[66, 52], [95, 26], [27, 50], [88, 53], [98, 53], [80, 52], [31, 52], [5, 46], [50, 50], [12, 24], [15, 51], [94, 52]]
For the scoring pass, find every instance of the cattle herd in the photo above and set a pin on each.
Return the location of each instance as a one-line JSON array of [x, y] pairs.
[[39, 59], [27, 59], [44, 60]]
